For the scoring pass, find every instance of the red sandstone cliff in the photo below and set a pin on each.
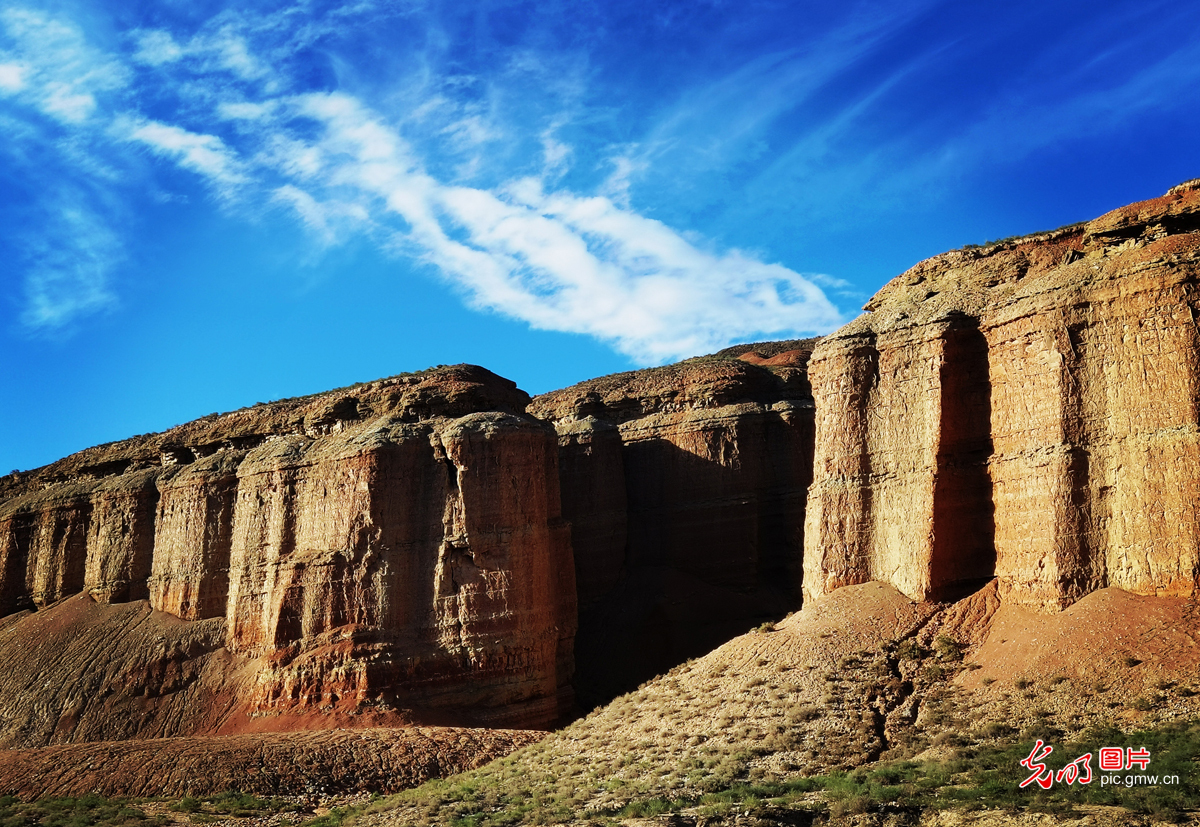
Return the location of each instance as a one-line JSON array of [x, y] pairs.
[[397, 545], [1026, 411], [422, 548]]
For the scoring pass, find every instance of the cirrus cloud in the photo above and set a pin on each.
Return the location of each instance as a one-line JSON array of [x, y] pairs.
[[524, 246]]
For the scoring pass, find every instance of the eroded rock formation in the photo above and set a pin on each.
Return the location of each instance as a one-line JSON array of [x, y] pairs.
[[1025, 411], [685, 488], [397, 544], [423, 549]]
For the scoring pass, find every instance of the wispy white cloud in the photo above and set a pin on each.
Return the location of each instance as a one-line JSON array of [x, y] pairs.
[[566, 262], [617, 186], [156, 47], [70, 265], [556, 155], [331, 221], [54, 83], [11, 77], [203, 154], [51, 64], [527, 248], [720, 123]]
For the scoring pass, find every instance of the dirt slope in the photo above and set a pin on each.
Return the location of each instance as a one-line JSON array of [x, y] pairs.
[[332, 762]]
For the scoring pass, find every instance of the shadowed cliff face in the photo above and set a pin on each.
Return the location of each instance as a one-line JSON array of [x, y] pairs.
[[1026, 411], [395, 545], [424, 549], [685, 488]]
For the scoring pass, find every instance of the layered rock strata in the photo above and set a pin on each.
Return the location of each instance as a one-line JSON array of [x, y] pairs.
[[685, 490], [1026, 411], [397, 544], [423, 548]]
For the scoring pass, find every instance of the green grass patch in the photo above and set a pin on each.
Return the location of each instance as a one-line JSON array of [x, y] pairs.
[[97, 811], [84, 811]]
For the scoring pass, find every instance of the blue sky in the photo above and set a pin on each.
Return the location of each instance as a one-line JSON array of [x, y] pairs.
[[208, 205]]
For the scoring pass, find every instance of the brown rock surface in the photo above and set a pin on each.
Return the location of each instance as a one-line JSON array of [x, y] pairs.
[[685, 488], [323, 763], [1015, 427], [393, 545], [83, 671], [1026, 410]]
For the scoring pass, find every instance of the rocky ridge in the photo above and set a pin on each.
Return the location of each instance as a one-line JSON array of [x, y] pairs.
[[310, 764]]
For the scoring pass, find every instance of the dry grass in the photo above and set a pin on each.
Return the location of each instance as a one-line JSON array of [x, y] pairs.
[[790, 711]]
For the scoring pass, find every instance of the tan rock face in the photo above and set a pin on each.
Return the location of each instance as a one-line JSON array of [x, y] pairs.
[[423, 548], [193, 538], [684, 487], [1026, 411], [396, 546]]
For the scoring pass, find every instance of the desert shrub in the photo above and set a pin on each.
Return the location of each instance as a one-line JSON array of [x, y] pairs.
[[187, 804], [804, 713], [996, 729], [949, 738], [86, 811], [947, 648], [1145, 703], [910, 650], [854, 805]]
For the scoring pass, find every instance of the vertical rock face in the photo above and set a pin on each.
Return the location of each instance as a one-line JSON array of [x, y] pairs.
[[423, 548], [1025, 411], [902, 431], [120, 543], [685, 488], [398, 546], [190, 568]]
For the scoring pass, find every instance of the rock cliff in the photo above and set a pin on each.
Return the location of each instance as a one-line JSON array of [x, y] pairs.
[[685, 490], [1026, 411], [394, 545], [440, 548]]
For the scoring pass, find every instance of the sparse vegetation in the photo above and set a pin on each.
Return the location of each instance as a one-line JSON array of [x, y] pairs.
[[84, 811], [947, 649], [502, 794], [856, 732], [97, 811]]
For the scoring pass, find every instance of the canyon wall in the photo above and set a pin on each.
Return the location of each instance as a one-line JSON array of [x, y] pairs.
[[397, 545], [685, 490], [440, 548], [1026, 411]]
